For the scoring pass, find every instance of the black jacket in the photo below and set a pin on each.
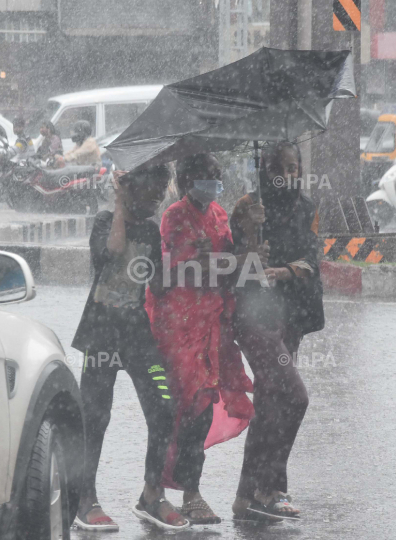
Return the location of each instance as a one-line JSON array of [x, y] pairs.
[[292, 238]]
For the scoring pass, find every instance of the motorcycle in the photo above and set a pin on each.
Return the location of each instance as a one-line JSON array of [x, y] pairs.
[[29, 187], [382, 203]]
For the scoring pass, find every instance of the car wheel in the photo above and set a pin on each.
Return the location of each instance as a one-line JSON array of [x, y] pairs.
[[45, 505]]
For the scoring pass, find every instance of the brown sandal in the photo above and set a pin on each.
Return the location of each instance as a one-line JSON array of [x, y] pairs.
[[199, 504]]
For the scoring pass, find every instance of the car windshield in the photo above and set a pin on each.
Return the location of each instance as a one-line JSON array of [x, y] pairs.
[[382, 140], [35, 122]]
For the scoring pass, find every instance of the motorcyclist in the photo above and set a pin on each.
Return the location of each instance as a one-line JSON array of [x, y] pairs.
[[86, 151], [23, 147], [52, 143]]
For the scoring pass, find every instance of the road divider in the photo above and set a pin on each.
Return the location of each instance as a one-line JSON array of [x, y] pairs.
[[374, 280], [378, 248], [46, 230]]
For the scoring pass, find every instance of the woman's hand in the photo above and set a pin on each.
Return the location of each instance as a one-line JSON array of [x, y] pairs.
[[271, 276], [116, 242], [117, 175], [263, 251], [256, 213], [277, 274], [250, 223], [204, 245]]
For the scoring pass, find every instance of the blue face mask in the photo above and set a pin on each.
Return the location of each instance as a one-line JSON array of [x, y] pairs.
[[206, 191]]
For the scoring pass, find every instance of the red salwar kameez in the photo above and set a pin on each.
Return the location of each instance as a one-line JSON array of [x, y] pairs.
[[194, 331]]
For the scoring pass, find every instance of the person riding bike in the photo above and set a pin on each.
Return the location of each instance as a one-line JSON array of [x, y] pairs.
[[52, 143], [23, 147], [86, 151]]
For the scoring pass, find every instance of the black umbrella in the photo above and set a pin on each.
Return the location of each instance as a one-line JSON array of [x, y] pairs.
[[268, 96]]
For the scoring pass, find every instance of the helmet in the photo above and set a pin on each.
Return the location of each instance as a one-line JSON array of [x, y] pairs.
[[81, 131], [19, 122]]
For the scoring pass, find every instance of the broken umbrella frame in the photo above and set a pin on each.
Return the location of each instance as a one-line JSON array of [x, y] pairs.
[[270, 95]]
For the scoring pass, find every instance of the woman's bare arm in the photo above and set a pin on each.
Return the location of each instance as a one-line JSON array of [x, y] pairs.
[[116, 242]]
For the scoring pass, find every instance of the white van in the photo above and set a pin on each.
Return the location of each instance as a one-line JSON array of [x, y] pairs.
[[108, 110]]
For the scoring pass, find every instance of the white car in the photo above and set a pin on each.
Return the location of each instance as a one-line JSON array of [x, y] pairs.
[[41, 422], [106, 109], [382, 203]]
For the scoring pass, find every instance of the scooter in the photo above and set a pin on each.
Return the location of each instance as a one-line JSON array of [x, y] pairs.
[[382, 203], [28, 187]]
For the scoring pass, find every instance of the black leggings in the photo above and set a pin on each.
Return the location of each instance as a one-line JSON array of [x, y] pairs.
[[280, 400], [191, 455], [140, 358]]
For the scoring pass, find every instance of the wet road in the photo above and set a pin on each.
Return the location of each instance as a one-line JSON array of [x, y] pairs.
[[342, 468]]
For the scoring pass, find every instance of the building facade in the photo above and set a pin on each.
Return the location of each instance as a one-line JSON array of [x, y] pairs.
[[48, 47]]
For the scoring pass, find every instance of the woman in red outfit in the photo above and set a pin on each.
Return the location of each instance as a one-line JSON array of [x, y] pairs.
[[193, 327]]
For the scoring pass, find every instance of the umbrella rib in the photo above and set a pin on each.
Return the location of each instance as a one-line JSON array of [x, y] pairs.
[[204, 96]]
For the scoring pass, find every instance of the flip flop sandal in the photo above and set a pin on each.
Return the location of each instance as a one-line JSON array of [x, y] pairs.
[[102, 523], [254, 514], [150, 513], [199, 504], [258, 511]]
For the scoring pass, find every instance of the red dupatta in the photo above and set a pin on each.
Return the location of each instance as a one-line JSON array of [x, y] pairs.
[[194, 332]]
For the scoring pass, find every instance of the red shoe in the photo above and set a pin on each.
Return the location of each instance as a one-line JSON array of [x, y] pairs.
[[99, 523]]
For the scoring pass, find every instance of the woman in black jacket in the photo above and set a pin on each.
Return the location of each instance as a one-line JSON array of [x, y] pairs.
[[270, 324]]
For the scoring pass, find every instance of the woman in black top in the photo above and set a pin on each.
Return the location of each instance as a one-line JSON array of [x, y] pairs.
[[270, 324]]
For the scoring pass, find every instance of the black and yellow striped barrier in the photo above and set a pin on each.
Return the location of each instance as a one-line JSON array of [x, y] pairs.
[[379, 248]]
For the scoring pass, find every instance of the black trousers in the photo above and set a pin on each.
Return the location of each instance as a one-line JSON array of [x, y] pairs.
[[138, 355], [280, 399], [191, 455]]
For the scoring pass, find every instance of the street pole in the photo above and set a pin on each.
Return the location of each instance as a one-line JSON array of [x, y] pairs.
[[307, 24], [284, 24], [304, 42]]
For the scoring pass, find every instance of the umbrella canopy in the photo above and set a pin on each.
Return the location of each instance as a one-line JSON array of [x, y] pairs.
[[270, 95]]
